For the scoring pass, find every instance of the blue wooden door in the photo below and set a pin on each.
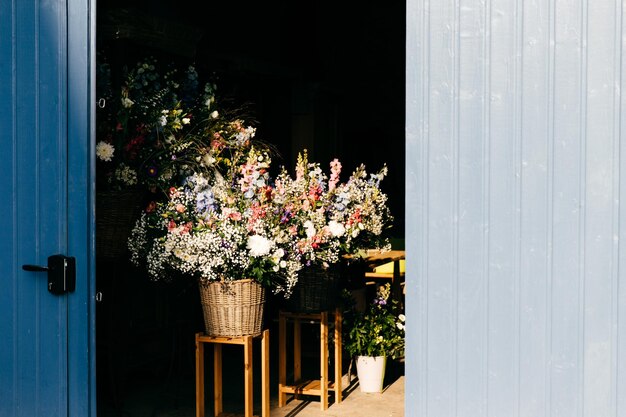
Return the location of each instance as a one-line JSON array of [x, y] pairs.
[[46, 340]]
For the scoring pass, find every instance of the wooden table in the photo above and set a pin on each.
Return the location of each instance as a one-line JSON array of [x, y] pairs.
[[374, 259], [246, 341]]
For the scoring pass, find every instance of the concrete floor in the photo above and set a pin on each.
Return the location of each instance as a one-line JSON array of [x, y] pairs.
[[389, 403]]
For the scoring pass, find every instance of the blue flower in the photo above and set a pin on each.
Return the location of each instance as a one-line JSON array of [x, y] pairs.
[[205, 201]]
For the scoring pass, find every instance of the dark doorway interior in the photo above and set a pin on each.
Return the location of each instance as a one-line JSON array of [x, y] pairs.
[[326, 76]]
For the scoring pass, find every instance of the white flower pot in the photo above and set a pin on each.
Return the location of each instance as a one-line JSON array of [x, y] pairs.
[[371, 372]]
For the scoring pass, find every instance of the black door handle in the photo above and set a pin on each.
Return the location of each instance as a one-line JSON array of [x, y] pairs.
[[34, 268], [61, 271]]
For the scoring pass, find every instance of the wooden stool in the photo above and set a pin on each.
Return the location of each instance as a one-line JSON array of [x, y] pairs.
[[320, 386], [246, 341]]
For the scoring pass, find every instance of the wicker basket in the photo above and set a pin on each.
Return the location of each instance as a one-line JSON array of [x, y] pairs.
[[317, 290], [116, 213], [232, 308]]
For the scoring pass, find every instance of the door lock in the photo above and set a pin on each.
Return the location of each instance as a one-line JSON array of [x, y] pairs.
[[61, 273]]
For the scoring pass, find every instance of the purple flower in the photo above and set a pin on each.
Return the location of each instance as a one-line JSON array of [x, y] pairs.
[[152, 171], [286, 216]]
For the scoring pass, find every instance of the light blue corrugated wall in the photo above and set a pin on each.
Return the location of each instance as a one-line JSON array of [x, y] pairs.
[[516, 229]]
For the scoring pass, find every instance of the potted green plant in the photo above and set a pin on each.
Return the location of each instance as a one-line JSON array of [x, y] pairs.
[[374, 335]]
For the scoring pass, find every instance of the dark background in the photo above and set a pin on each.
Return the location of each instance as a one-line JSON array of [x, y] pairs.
[[327, 76]]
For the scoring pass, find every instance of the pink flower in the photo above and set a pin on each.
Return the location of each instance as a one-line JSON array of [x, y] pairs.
[[280, 187], [355, 217], [335, 170], [180, 208], [151, 207], [299, 172]]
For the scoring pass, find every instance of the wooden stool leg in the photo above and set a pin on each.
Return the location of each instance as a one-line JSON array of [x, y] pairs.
[[324, 360], [247, 353], [217, 378], [265, 374], [199, 377], [338, 358], [282, 360], [297, 351]]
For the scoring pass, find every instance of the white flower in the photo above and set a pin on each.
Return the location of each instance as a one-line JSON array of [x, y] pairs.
[[276, 258], [209, 101], [163, 120], [247, 134], [126, 175], [402, 317], [214, 114], [259, 245], [186, 120], [400, 326], [104, 151], [126, 102], [208, 160], [310, 228], [337, 229]]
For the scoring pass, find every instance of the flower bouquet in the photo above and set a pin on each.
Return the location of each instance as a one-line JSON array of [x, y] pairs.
[[135, 122], [154, 130], [221, 231], [332, 223], [227, 228], [160, 126]]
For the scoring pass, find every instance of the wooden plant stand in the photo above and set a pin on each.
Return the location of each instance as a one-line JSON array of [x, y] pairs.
[[319, 387], [246, 341]]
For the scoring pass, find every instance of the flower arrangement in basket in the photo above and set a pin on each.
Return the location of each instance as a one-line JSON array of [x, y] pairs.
[[224, 230], [333, 222]]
